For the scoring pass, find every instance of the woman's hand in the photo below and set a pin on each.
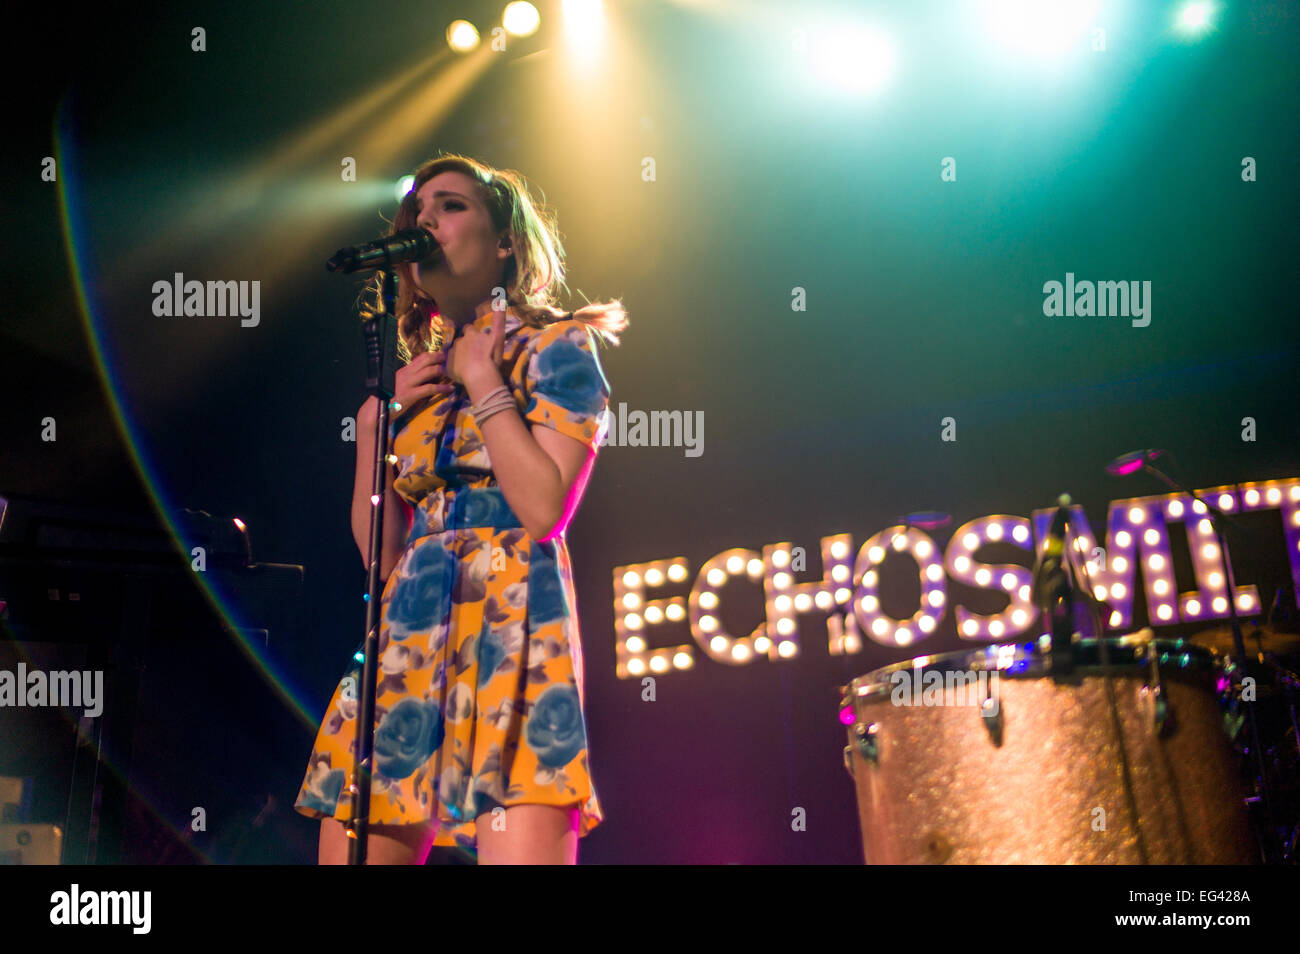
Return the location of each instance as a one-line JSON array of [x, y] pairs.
[[422, 377], [476, 355]]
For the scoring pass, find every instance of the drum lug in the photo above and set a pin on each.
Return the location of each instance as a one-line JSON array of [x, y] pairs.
[[1153, 693], [991, 714], [868, 742], [1155, 697]]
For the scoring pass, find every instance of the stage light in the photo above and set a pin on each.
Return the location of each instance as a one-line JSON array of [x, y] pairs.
[[462, 36], [521, 18], [584, 24], [404, 185], [1043, 28], [851, 58], [1195, 17]]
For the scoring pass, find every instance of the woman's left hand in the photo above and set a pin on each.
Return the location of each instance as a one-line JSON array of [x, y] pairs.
[[477, 354]]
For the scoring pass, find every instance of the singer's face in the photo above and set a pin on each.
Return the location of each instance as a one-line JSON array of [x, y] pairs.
[[472, 261]]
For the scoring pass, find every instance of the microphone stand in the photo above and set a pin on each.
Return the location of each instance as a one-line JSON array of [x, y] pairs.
[[1217, 518], [1053, 589], [380, 333]]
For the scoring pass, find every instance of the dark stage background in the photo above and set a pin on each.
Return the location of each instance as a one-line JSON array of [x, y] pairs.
[[923, 301]]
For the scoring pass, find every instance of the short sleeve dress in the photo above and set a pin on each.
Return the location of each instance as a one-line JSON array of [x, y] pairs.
[[480, 698]]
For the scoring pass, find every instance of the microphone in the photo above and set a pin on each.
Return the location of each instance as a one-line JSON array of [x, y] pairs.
[[409, 245]]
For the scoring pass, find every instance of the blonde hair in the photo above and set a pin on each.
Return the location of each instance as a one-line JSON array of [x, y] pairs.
[[533, 274]]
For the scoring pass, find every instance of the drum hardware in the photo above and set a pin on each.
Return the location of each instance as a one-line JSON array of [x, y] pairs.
[[868, 744], [1052, 586], [991, 713], [1274, 687], [867, 735], [1155, 698]]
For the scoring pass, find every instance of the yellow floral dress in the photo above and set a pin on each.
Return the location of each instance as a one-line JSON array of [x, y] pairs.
[[480, 694]]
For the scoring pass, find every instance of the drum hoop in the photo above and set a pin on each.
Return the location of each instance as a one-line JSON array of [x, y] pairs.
[[1129, 652]]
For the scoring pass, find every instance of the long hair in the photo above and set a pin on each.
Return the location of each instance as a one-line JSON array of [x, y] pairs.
[[533, 274]]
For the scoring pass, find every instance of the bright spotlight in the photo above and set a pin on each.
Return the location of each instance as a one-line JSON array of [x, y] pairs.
[[1195, 17], [521, 18], [584, 23], [404, 186], [855, 59], [1043, 28], [462, 36]]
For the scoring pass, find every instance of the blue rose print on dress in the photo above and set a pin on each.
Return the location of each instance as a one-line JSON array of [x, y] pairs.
[[483, 508], [555, 730], [409, 734], [545, 588], [422, 597], [570, 377], [491, 650], [324, 797]]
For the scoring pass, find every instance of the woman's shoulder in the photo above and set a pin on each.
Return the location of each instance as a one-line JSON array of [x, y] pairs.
[[563, 328]]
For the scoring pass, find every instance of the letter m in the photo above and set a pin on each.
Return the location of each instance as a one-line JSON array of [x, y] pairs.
[[1108, 305], [218, 294]]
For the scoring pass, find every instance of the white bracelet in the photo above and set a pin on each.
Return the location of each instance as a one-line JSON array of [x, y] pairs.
[[493, 410], [498, 399]]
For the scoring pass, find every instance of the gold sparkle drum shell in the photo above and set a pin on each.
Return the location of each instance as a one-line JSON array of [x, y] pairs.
[[990, 757]]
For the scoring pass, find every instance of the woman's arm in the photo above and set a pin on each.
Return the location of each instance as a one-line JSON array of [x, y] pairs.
[[537, 467], [397, 515]]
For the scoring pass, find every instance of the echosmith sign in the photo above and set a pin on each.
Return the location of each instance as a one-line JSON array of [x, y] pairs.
[[1137, 532]]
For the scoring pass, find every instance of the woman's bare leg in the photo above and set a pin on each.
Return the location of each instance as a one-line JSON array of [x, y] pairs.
[[530, 835], [387, 844]]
